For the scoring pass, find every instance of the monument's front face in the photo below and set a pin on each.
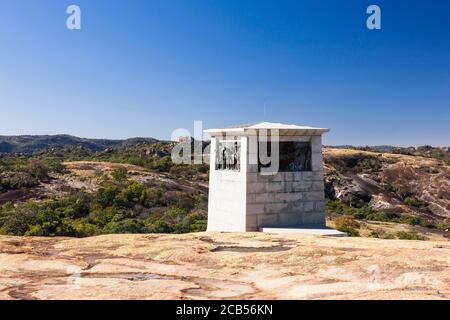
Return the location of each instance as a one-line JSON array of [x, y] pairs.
[[227, 184], [274, 181]]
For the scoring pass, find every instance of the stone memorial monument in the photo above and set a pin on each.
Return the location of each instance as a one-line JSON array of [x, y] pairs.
[[266, 175]]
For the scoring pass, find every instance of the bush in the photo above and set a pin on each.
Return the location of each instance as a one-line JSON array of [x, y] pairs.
[[348, 225], [51, 223], [158, 226], [102, 216], [192, 172], [175, 215], [414, 202], [374, 234], [198, 221], [76, 206], [381, 234], [17, 180], [388, 187], [383, 216], [153, 197], [17, 221], [162, 164], [427, 223], [38, 169], [444, 225], [409, 235], [105, 196], [135, 192], [119, 174], [125, 226], [83, 228], [338, 207], [368, 165], [365, 212]]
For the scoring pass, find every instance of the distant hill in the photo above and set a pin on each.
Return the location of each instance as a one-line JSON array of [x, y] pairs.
[[440, 153], [382, 148], [39, 143]]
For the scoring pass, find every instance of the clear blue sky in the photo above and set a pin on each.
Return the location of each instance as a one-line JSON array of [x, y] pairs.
[[145, 68]]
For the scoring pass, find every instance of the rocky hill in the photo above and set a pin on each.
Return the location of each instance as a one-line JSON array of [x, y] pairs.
[[36, 143], [371, 194], [383, 191], [390, 182]]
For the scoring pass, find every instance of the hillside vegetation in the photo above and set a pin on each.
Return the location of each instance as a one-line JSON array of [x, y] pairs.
[[34, 144], [365, 187], [45, 195], [81, 191]]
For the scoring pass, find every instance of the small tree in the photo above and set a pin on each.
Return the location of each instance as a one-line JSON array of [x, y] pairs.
[[38, 169], [119, 174], [348, 225]]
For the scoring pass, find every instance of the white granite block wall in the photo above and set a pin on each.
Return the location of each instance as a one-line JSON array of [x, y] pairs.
[[287, 198], [227, 194]]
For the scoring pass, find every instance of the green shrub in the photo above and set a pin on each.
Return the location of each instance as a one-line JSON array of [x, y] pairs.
[[407, 219], [384, 216], [374, 234], [105, 196], [83, 228], [38, 169], [338, 207], [186, 201], [198, 221], [348, 225], [51, 223], [192, 172], [368, 165], [388, 187], [414, 202], [76, 206], [153, 197], [126, 226], [102, 216], [381, 234], [158, 226], [365, 212], [162, 164], [119, 174], [427, 223], [36, 230], [134, 192], [443, 225], [409, 235], [17, 221]]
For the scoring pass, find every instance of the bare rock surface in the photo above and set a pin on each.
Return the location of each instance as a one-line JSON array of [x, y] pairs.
[[222, 266]]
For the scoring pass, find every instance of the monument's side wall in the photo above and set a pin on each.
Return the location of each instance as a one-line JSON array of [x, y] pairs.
[[287, 198], [227, 194]]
